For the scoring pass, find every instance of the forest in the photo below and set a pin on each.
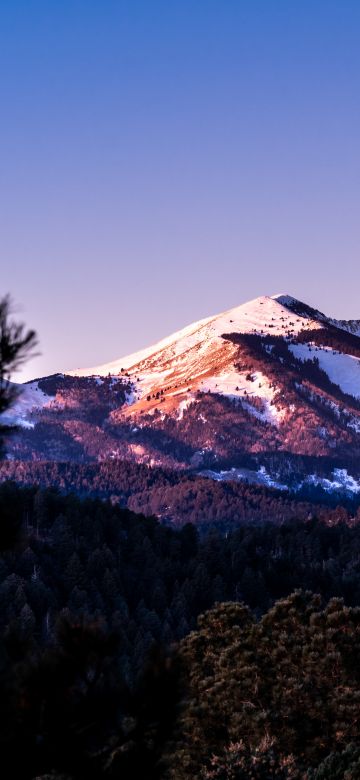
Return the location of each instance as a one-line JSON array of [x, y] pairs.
[[179, 497], [226, 648], [129, 648]]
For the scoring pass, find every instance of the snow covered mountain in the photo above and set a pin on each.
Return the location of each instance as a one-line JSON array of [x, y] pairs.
[[200, 355], [257, 392]]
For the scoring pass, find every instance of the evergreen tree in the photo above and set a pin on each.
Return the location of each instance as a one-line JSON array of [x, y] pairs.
[[16, 345]]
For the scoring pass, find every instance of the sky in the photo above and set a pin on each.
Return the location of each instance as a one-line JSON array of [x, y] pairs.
[[163, 161]]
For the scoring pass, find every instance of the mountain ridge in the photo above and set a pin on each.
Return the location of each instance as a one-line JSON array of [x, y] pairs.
[[240, 395]]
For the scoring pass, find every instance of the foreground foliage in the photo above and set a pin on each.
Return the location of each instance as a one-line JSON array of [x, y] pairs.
[[271, 698], [16, 345]]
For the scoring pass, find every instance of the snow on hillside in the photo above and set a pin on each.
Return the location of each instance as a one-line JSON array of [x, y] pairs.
[[198, 358], [259, 477], [31, 398], [262, 315], [343, 370], [169, 388], [235, 384], [351, 326], [341, 481]]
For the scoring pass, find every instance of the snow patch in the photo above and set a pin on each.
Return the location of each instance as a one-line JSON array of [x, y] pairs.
[[343, 370], [183, 405], [30, 400], [259, 477], [341, 481], [242, 385]]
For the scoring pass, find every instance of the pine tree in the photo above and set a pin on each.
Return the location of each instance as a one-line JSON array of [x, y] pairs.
[[16, 345]]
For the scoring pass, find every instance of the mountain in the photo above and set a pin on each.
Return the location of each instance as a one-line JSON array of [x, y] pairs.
[[267, 392]]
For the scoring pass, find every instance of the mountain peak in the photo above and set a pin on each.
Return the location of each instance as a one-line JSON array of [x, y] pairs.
[[284, 298], [203, 357], [265, 314], [269, 375]]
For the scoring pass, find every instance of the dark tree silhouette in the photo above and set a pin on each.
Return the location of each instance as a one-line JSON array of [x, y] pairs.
[[17, 344]]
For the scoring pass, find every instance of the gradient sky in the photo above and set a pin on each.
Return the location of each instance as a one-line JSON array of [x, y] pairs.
[[163, 161]]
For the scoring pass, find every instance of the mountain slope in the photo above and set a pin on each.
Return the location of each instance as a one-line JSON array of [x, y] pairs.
[[254, 393], [200, 356]]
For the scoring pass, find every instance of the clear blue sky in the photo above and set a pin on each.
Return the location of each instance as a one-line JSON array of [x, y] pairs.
[[162, 161]]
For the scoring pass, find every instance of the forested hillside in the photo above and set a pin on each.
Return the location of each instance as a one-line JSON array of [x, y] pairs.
[[179, 497], [94, 601]]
